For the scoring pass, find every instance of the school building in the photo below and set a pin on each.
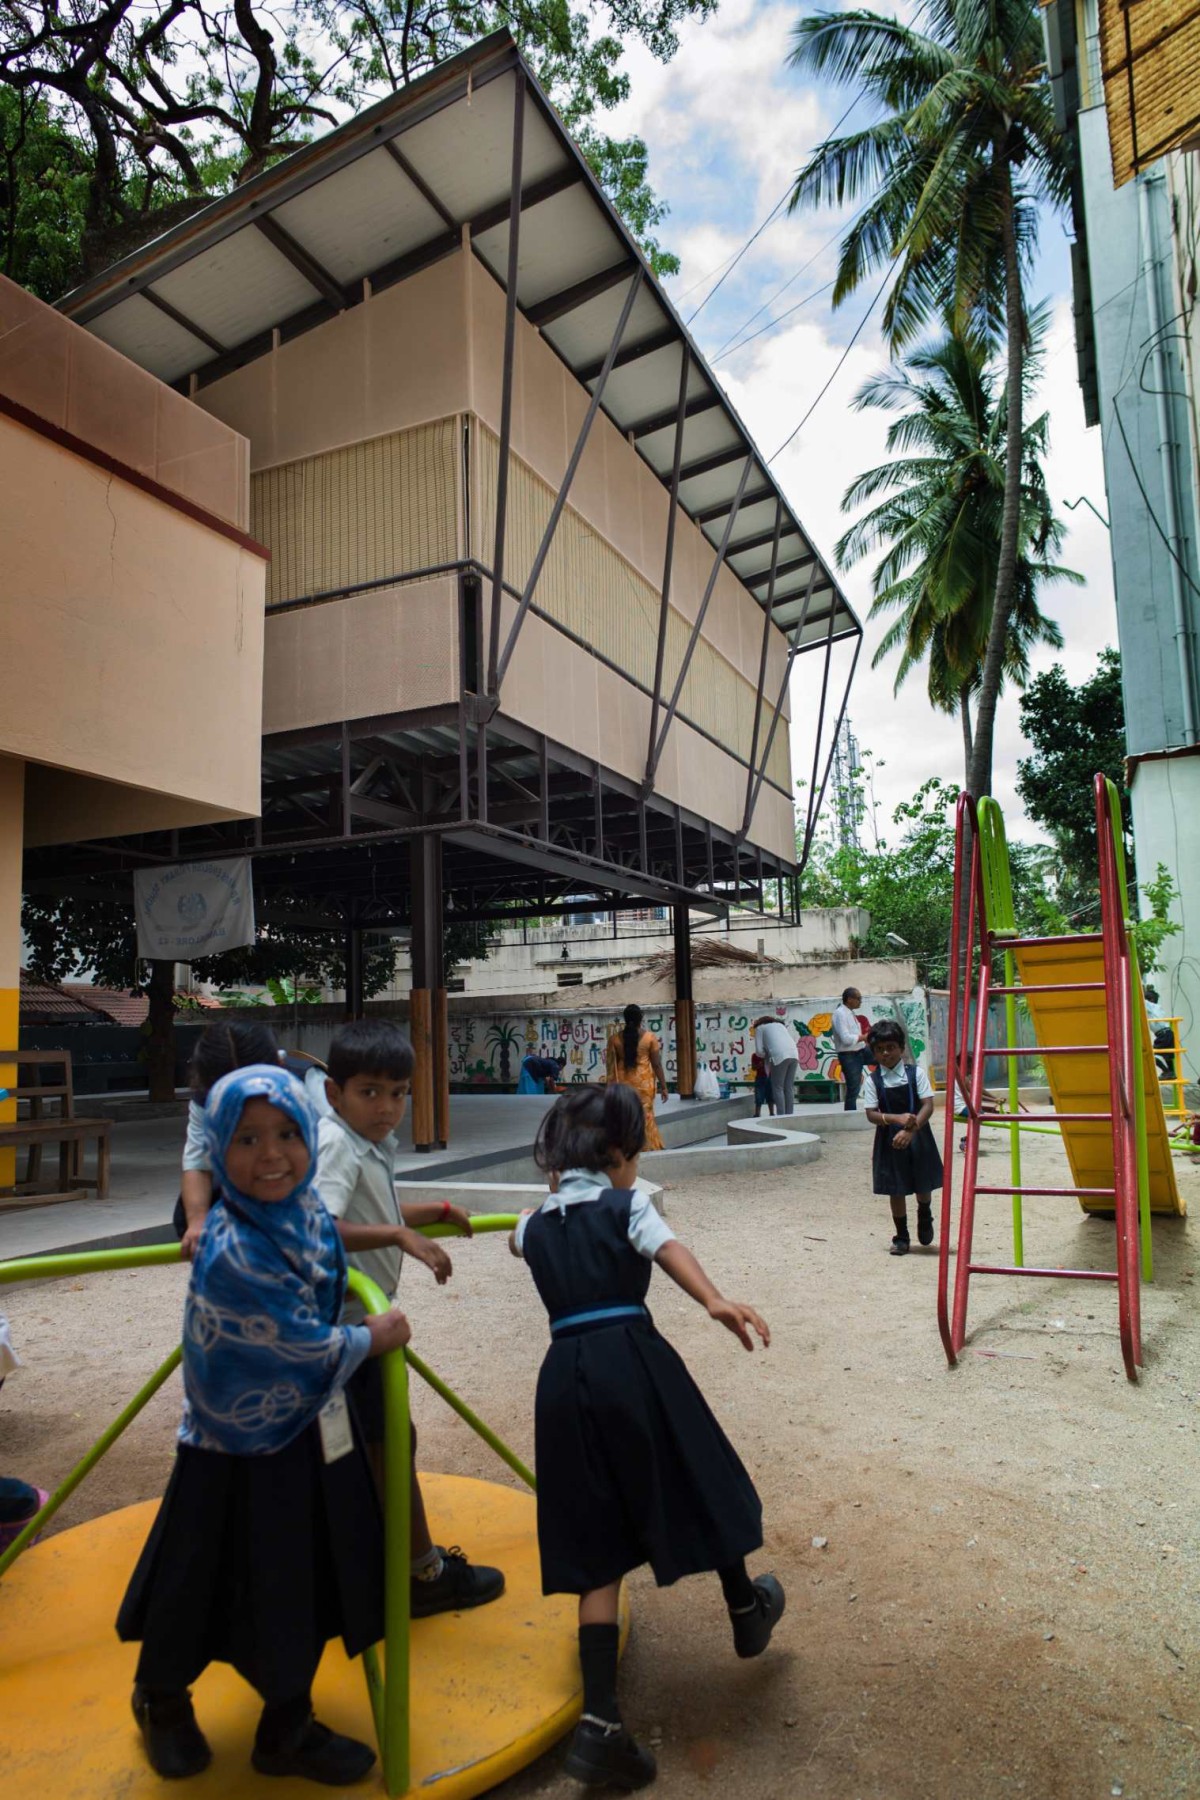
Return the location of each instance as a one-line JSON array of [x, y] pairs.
[[533, 595]]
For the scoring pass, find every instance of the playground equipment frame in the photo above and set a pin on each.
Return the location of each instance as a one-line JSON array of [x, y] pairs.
[[389, 1690]]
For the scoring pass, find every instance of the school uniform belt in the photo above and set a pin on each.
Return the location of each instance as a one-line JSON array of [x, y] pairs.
[[596, 1318]]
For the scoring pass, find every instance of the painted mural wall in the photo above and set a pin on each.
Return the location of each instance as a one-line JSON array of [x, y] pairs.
[[486, 1048]]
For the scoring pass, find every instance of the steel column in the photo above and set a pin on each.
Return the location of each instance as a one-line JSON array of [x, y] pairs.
[[686, 664], [685, 1009], [755, 782], [354, 971], [664, 612], [768, 606], [510, 329], [427, 980], [497, 669], [833, 739]]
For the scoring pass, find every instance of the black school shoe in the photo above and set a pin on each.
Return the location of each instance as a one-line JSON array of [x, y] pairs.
[[901, 1245], [752, 1629], [174, 1742], [924, 1225], [459, 1587], [315, 1753], [608, 1756]]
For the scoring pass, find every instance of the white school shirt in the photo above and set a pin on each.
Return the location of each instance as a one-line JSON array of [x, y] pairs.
[[898, 1077], [847, 1032], [195, 1149], [648, 1230], [775, 1042], [357, 1181]]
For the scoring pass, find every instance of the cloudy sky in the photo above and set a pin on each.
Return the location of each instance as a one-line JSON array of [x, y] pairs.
[[727, 125]]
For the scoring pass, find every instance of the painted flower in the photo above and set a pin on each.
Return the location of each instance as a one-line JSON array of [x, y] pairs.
[[807, 1048], [820, 1022]]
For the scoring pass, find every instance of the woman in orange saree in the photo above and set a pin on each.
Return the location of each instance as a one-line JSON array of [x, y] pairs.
[[634, 1056]]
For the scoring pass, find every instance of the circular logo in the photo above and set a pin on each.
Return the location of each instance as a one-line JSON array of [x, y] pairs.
[[192, 908]]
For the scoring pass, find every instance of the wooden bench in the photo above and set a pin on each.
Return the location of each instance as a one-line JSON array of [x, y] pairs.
[[63, 1126]]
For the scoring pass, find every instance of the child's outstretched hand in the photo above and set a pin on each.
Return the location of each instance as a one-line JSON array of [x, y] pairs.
[[459, 1216], [429, 1252], [389, 1331], [735, 1317]]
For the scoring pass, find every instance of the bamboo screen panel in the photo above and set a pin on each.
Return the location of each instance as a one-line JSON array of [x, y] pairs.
[[587, 587], [384, 507]]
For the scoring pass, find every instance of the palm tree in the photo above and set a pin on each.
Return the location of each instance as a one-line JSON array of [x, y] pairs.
[[952, 171], [941, 520]]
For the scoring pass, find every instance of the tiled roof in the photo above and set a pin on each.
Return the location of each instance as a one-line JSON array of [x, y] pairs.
[[41, 1001]]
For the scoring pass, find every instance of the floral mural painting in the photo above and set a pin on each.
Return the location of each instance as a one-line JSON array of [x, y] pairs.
[[483, 1046]]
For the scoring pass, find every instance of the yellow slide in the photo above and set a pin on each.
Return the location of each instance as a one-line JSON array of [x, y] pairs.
[[1079, 1084]]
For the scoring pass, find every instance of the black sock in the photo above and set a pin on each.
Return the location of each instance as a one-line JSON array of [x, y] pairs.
[[737, 1587], [283, 1721], [901, 1225], [598, 1649]]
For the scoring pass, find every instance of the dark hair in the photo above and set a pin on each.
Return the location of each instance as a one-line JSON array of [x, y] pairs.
[[887, 1031], [369, 1047], [589, 1126], [221, 1048], [631, 1037], [1151, 994], [846, 993]]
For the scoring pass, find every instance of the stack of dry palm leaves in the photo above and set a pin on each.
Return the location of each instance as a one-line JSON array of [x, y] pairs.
[[707, 953]]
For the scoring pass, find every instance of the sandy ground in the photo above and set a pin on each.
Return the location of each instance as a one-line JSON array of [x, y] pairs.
[[1004, 1599]]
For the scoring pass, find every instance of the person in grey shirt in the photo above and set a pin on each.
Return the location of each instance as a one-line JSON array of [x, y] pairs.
[[776, 1045]]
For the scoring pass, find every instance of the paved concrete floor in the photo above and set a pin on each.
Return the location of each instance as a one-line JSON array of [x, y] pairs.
[[491, 1139]]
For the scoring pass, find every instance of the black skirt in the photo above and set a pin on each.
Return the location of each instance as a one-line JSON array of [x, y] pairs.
[[258, 1561], [916, 1169], [632, 1466]]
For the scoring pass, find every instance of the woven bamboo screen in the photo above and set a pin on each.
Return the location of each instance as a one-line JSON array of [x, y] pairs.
[[1151, 59], [384, 507], [588, 588]]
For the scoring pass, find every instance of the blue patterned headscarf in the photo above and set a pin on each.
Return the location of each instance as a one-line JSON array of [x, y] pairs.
[[262, 1348]]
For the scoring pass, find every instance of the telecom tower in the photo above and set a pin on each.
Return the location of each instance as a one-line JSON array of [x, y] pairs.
[[846, 797]]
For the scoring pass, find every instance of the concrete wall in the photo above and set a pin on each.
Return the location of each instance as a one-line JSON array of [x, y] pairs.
[[114, 606], [72, 380]]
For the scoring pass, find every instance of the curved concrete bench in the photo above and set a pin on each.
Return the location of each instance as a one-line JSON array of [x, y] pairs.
[[753, 1144]]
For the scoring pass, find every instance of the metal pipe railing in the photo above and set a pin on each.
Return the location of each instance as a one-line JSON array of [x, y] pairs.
[[389, 1692]]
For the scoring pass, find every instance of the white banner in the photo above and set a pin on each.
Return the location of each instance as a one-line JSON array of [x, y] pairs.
[[188, 910]]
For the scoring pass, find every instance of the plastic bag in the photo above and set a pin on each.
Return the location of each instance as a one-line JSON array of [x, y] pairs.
[[707, 1085]]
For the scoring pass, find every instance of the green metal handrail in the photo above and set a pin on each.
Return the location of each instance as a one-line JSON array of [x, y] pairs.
[[388, 1693], [1000, 919], [1137, 1008]]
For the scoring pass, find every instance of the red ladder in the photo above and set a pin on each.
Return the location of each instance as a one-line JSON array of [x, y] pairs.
[[989, 916]]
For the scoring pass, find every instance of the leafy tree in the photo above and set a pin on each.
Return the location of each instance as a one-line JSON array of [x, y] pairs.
[[1075, 733], [941, 523], [906, 883], [951, 171], [94, 936], [165, 103], [44, 174]]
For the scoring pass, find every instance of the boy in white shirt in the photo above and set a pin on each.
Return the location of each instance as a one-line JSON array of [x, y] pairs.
[[362, 1107]]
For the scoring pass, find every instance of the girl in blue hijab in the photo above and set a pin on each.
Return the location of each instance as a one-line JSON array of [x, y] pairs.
[[269, 1540]]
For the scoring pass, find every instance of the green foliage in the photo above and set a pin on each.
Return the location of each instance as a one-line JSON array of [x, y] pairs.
[[906, 884], [1075, 734], [964, 115], [143, 109], [1150, 931], [940, 520], [44, 173]]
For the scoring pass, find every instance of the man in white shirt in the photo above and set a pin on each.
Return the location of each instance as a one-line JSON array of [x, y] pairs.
[[777, 1047], [850, 1044]]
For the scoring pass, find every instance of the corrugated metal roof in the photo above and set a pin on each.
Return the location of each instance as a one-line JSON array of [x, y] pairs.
[[1150, 51], [397, 188]]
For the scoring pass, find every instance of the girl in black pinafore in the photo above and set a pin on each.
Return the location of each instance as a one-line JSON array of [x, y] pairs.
[[632, 1466], [905, 1159]]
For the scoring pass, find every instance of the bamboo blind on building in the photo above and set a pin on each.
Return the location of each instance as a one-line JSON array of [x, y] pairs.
[[588, 588], [359, 514], [1151, 60]]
